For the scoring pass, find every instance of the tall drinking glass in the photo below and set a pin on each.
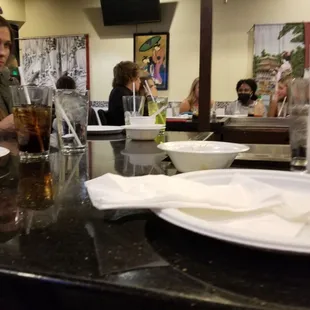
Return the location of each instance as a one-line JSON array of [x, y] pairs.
[[32, 120], [72, 118], [175, 106], [132, 109], [298, 110], [154, 106], [35, 186]]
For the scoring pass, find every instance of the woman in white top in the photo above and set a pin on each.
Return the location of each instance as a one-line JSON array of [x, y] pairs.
[[246, 90], [279, 104]]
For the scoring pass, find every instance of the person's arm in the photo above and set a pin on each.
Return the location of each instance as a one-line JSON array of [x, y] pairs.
[[185, 106], [7, 124], [273, 107]]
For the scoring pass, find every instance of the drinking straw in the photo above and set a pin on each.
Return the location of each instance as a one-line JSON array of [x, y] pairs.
[[159, 111], [149, 91], [279, 113], [74, 169], [134, 97], [63, 113], [23, 83]]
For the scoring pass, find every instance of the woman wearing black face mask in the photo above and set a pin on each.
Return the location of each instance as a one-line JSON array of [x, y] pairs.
[[244, 106]]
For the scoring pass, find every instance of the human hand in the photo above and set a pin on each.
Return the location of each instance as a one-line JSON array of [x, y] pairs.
[[7, 124]]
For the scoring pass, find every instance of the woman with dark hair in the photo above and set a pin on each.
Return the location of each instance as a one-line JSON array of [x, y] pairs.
[[6, 47], [126, 76], [65, 82], [246, 90]]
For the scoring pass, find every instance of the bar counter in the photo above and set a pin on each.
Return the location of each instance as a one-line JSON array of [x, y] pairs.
[[59, 252], [241, 130]]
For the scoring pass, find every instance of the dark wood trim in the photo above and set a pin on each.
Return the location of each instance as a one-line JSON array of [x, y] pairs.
[[90, 159], [205, 65], [87, 63]]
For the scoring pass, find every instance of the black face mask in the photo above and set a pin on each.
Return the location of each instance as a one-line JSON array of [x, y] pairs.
[[244, 98]]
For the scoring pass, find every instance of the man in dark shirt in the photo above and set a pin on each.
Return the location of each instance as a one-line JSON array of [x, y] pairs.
[[126, 76]]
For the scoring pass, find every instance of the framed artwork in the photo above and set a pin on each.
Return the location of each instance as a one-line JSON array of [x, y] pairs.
[[151, 53]]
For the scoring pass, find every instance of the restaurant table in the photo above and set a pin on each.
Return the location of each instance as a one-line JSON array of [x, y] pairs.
[[58, 252]]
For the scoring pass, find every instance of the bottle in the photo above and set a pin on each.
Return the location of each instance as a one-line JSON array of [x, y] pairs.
[[251, 110], [259, 107], [213, 116]]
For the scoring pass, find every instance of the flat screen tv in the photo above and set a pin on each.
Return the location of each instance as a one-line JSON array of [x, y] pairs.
[[125, 12]]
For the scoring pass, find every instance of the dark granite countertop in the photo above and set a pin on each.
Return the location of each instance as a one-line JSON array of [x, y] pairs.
[[58, 251]]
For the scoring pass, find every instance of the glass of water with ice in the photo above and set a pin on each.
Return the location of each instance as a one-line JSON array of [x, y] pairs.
[[72, 118], [298, 113]]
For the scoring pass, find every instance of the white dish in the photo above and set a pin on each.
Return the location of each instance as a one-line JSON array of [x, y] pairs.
[[144, 159], [143, 153], [195, 220], [142, 120], [141, 132], [104, 130], [202, 155], [4, 157], [4, 151]]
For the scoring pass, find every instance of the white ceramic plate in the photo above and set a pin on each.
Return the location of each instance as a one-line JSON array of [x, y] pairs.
[[4, 151], [104, 130], [195, 221]]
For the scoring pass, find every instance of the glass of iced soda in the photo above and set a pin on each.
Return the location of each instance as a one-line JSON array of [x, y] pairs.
[[32, 109]]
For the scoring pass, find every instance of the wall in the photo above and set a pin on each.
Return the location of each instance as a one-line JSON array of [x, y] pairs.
[[14, 10], [109, 45], [232, 51]]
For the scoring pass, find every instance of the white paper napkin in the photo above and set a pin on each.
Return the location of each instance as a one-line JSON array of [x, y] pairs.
[[244, 204], [243, 194]]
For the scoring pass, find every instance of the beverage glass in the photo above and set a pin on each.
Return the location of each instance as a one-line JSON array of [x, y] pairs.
[[298, 111], [130, 110], [32, 120], [35, 186], [72, 117], [175, 106], [153, 107]]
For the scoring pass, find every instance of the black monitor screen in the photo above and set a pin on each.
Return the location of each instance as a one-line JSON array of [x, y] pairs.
[[124, 12]]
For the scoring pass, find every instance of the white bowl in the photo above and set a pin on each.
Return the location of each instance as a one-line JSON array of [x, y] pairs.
[[143, 153], [202, 155], [143, 132], [142, 120]]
